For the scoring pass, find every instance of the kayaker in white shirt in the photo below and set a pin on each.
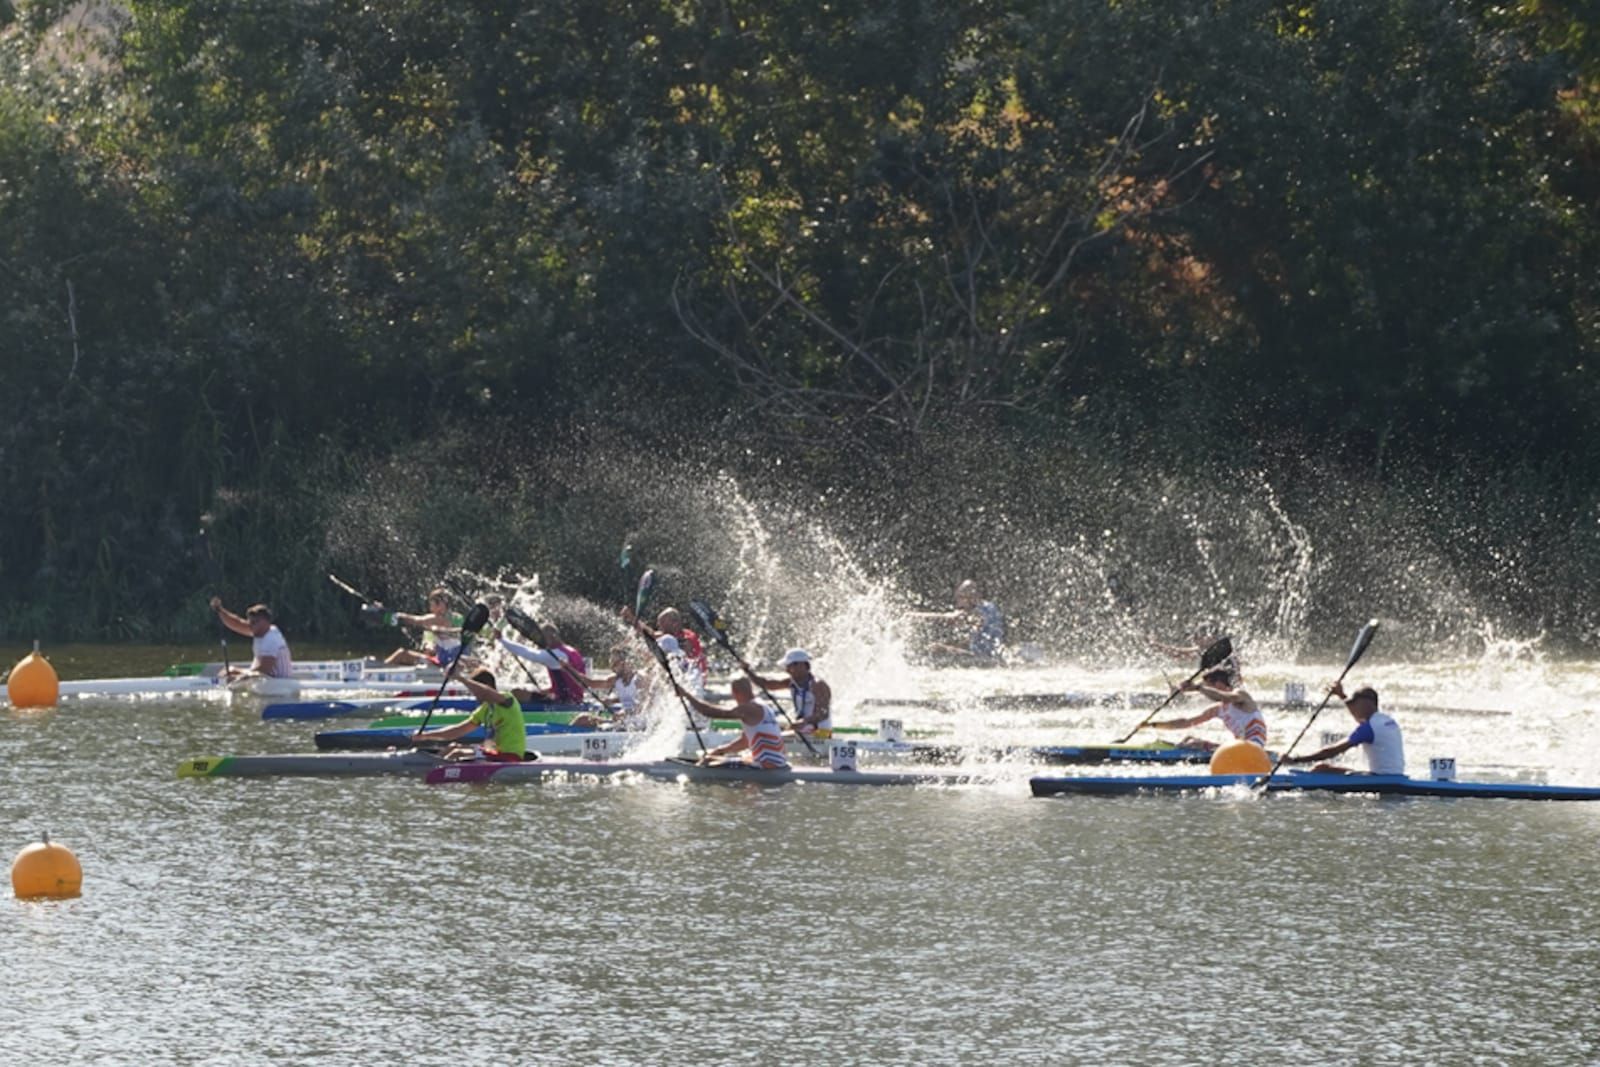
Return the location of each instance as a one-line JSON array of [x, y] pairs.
[[1376, 732], [270, 650]]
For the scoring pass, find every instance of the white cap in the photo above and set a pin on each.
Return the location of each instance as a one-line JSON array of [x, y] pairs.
[[796, 655], [669, 644]]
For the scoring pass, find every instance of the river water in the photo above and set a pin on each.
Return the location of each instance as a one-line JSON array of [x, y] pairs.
[[347, 921]]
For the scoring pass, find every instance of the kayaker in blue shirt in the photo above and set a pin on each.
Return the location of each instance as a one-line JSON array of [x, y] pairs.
[[1376, 732], [980, 620]]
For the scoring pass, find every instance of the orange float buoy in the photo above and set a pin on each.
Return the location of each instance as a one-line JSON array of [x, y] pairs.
[[1240, 757], [33, 682], [46, 869]]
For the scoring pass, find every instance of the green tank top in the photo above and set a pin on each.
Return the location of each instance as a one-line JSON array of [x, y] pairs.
[[508, 731]]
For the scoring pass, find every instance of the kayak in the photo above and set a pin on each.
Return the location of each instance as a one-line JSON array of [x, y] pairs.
[[1072, 701], [1068, 699], [1154, 752], [199, 684], [333, 709], [680, 770], [376, 738], [253, 686], [311, 765], [1309, 782], [344, 670], [303, 710]]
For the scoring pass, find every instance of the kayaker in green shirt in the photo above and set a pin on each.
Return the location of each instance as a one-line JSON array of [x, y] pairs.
[[499, 713], [441, 633]]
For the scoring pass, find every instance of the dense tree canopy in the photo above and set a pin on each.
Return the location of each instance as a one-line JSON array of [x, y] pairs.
[[249, 245]]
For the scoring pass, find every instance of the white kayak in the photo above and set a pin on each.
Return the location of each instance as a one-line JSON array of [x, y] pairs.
[[276, 688], [671, 770]]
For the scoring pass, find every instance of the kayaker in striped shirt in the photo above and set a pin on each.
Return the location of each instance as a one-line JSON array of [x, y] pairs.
[[1234, 706], [760, 737]]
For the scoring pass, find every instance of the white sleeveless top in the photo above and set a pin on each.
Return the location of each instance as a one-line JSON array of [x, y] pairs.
[[1244, 725], [805, 702], [627, 692]]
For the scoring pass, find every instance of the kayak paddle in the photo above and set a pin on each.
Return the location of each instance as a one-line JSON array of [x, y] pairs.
[[476, 620], [216, 580], [666, 665], [641, 599], [348, 588], [1363, 639], [1219, 650], [529, 627], [717, 630]]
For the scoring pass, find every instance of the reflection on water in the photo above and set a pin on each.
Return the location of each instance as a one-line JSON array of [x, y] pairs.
[[640, 922]]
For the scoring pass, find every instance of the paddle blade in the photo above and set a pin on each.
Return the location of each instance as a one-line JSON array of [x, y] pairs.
[[659, 653], [1363, 639], [477, 618], [625, 560], [524, 624], [1219, 650], [647, 585], [710, 622]]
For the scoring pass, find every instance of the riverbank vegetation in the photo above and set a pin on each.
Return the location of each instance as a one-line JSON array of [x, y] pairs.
[[935, 256]]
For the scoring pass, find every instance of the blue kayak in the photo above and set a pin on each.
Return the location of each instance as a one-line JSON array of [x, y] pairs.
[[1397, 785], [375, 738], [1156, 752], [333, 709]]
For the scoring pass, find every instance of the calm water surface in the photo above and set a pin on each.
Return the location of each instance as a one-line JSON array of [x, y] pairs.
[[346, 921]]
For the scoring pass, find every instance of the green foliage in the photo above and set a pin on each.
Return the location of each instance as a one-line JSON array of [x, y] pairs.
[[252, 247]]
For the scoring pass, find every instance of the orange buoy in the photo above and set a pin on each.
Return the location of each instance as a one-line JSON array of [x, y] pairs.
[[33, 682], [46, 869], [1240, 757]]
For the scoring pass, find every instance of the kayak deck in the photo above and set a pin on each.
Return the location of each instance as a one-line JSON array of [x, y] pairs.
[[1307, 782], [674, 770], [312, 765]]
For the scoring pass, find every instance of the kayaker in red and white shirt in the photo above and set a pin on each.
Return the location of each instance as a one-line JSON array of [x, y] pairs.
[[1234, 706], [760, 737]]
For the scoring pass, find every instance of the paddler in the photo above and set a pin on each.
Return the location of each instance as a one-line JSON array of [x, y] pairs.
[[1234, 706], [760, 737], [978, 620], [564, 683], [669, 623], [628, 684], [441, 633], [558, 661], [499, 712], [811, 696], [268, 648], [1376, 732]]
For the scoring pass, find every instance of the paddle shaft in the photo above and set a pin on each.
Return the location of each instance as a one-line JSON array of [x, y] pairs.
[[222, 627], [531, 632], [672, 679], [348, 588], [1219, 651], [475, 621], [1363, 639], [716, 634]]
